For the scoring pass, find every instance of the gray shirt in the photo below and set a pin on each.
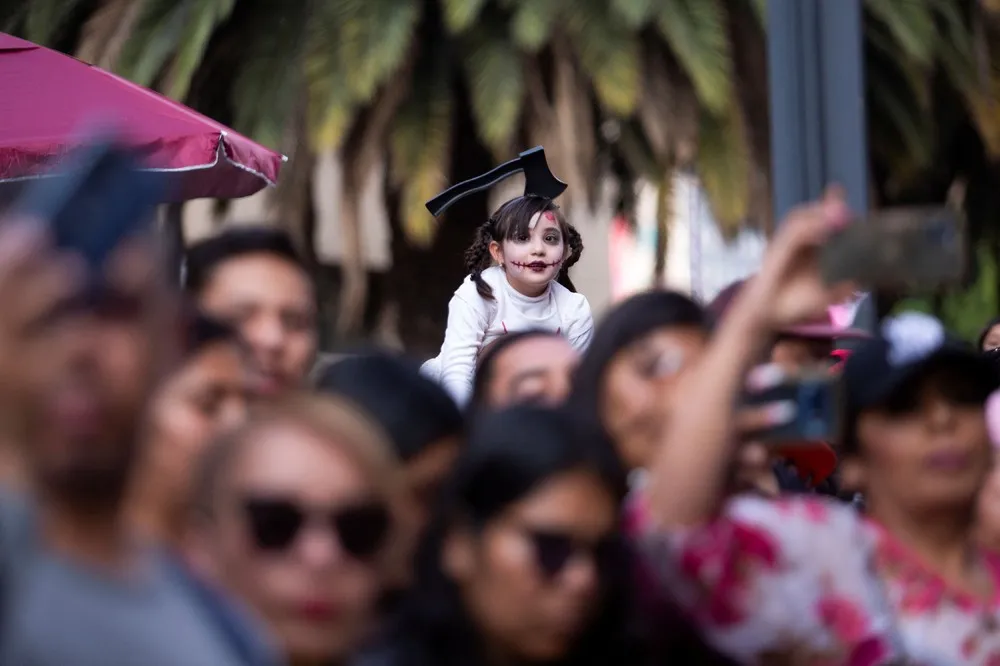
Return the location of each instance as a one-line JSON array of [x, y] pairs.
[[58, 612]]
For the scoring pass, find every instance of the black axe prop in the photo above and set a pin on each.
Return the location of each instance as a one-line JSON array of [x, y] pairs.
[[538, 181]]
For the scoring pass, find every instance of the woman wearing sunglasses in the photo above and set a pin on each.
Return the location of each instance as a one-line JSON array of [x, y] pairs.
[[295, 515], [522, 562]]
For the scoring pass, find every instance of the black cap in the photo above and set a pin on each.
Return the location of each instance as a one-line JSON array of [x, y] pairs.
[[903, 349]]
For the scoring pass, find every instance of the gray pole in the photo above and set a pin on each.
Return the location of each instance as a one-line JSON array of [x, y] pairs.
[[819, 133]]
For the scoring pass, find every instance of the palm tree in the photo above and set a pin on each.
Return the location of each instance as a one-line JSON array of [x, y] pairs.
[[626, 87]]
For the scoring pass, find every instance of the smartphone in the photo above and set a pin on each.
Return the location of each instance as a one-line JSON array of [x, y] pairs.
[[97, 197], [910, 250], [817, 399]]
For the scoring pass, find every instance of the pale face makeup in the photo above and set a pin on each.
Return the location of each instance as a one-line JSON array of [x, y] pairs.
[[532, 262]]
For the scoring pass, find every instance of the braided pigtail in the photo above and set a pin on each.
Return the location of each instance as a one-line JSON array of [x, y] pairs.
[[574, 242], [477, 258]]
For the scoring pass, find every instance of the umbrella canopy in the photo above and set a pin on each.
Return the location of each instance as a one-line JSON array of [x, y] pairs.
[[47, 98]]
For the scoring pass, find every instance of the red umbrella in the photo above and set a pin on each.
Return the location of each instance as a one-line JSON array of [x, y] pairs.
[[47, 97]]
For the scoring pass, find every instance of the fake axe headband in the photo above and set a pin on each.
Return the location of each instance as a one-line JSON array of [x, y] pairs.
[[538, 181]]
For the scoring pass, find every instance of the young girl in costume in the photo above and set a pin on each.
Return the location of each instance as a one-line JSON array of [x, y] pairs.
[[518, 280]]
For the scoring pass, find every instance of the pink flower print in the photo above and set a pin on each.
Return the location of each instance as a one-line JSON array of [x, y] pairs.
[[844, 618], [920, 595], [969, 646], [993, 660], [816, 511], [723, 559], [869, 652]]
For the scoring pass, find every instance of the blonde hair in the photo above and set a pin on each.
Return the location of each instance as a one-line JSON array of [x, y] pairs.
[[329, 418]]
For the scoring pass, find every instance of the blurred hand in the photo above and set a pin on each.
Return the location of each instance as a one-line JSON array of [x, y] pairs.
[[754, 471], [789, 289]]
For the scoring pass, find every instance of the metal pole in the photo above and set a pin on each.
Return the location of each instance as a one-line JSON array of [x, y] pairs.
[[819, 132]]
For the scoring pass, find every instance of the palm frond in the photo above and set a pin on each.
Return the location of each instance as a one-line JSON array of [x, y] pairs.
[[636, 13], [912, 25], [421, 144], [608, 51], [43, 19], [459, 15], [696, 32], [723, 165], [533, 21], [372, 37], [272, 73], [155, 36], [203, 19], [496, 87]]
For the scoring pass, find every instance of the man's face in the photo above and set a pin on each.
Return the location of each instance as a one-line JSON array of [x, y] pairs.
[[535, 369], [272, 303], [92, 371], [796, 355]]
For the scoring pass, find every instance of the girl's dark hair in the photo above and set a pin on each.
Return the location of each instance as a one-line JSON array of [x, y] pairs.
[[986, 331], [509, 454], [511, 222]]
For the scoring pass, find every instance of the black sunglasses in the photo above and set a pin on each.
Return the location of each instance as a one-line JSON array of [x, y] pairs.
[[275, 523], [554, 550]]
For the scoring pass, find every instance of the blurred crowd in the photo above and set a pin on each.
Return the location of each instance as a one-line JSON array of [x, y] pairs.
[[182, 487]]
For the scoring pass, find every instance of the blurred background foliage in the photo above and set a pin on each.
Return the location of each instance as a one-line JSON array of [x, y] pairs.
[[615, 89]]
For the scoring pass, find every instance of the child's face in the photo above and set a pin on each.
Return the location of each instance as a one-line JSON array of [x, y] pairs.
[[533, 261]]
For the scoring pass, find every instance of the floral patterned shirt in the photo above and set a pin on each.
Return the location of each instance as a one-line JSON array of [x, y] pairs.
[[808, 581]]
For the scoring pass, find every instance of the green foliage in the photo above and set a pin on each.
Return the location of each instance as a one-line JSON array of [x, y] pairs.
[[696, 32], [496, 85], [421, 143], [723, 165], [609, 53], [965, 312], [533, 22], [459, 15], [44, 19]]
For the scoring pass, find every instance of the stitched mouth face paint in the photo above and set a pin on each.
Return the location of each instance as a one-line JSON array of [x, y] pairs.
[[532, 261]]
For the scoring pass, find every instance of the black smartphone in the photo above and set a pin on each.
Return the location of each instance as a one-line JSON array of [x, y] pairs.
[[94, 199], [817, 402], [909, 250]]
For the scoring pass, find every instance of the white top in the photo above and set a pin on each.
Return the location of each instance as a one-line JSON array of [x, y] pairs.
[[474, 322]]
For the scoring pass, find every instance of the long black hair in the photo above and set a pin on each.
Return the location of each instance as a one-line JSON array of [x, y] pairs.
[[512, 221], [509, 455]]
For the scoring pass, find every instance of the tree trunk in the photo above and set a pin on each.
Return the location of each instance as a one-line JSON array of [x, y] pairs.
[[361, 153]]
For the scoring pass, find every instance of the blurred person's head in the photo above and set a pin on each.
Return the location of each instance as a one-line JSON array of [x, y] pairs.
[[254, 279], [202, 398], [627, 376], [915, 435], [989, 337], [523, 560], [528, 366], [83, 404], [295, 514], [422, 421]]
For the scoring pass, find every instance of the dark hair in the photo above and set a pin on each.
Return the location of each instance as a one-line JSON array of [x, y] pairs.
[[627, 322], [488, 357], [204, 257], [413, 410], [509, 454], [986, 331], [199, 330], [511, 221]]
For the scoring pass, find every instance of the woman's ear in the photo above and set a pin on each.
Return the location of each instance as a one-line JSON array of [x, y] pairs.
[[457, 555], [496, 252]]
